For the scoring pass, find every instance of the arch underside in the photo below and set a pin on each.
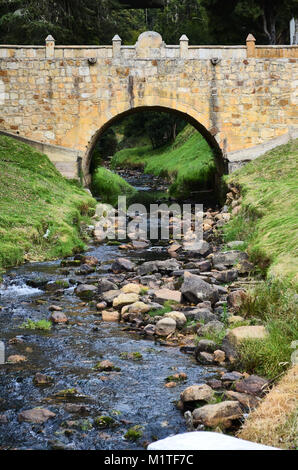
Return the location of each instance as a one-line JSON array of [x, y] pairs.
[[220, 161]]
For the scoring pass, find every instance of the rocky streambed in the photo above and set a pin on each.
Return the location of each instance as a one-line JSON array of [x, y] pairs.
[[125, 344]]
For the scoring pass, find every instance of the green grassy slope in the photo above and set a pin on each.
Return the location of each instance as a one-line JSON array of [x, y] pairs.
[[269, 212], [108, 186], [267, 221], [188, 163], [40, 211]]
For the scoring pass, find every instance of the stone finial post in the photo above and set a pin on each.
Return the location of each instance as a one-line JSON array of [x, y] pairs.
[[250, 46], [50, 47], [184, 46], [116, 45]]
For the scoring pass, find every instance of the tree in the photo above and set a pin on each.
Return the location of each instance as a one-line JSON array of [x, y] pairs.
[[268, 20]]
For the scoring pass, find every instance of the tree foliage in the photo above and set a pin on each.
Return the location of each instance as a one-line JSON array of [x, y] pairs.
[[97, 21]]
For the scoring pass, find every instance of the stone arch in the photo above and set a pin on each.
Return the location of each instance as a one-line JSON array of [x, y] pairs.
[[220, 160]]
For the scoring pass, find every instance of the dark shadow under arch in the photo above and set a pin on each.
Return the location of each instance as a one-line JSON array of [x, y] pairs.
[[220, 160]]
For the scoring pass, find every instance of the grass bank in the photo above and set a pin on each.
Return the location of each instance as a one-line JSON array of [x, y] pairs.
[[40, 210], [108, 186], [187, 163], [274, 422], [267, 222], [268, 219]]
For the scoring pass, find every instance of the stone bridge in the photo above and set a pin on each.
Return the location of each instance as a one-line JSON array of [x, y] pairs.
[[243, 99]]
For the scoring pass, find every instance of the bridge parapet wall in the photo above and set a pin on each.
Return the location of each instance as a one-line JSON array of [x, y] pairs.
[[242, 98]]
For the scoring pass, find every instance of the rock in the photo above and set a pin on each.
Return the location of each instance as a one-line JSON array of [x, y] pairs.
[[241, 333], [86, 291], [59, 284], [125, 299], [86, 269], [110, 316], [228, 258], [203, 315], [121, 265], [211, 327], [245, 266], [42, 379], [105, 366], [229, 275], [197, 393], [204, 266], [58, 317], [174, 247], [101, 306], [235, 244], [235, 319], [206, 345], [2, 352], [136, 307], [16, 358], [55, 308], [161, 295], [168, 265], [195, 290], [205, 440], [219, 356], [245, 399], [139, 245], [3, 419], [76, 408], [149, 329], [110, 295], [148, 267], [231, 376], [90, 260], [104, 285], [236, 298], [165, 327], [218, 414], [36, 415], [253, 384], [214, 383], [132, 288], [179, 318], [205, 358]]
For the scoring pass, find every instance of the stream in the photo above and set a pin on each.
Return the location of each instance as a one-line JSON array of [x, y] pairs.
[[135, 395]]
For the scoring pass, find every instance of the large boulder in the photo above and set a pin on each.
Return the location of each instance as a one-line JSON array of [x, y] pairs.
[[110, 316], [132, 288], [86, 291], [136, 307], [179, 318], [125, 299], [58, 317], [211, 327], [197, 393], [242, 333], [110, 295], [228, 258], [122, 265], [253, 384], [236, 298], [36, 415], [161, 295], [203, 315], [165, 327], [218, 414], [195, 290], [105, 285]]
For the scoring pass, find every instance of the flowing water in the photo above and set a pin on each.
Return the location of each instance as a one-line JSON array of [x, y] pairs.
[[135, 395]]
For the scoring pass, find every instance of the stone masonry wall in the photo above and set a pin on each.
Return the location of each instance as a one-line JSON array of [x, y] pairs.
[[243, 99]]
